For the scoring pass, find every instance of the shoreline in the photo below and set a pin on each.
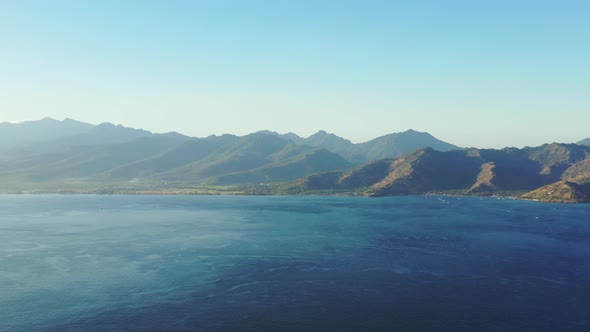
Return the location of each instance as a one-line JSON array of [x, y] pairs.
[[192, 192]]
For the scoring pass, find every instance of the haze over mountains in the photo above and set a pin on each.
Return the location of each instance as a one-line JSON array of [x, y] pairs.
[[71, 152], [54, 156], [68, 132], [388, 146]]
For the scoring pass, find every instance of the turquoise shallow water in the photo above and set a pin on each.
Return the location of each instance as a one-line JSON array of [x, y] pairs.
[[221, 263]]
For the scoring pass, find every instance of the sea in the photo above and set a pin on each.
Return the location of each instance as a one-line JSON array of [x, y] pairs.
[[292, 263]]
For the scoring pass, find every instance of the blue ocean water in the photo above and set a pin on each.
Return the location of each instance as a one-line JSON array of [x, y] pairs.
[[223, 263]]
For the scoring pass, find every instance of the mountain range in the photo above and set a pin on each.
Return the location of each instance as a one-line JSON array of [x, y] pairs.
[[536, 173], [49, 154], [388, 146], [60, 156]]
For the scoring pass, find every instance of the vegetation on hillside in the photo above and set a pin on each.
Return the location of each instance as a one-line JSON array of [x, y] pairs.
[[71, 156]]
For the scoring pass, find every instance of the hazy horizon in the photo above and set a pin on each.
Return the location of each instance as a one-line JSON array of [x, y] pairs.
[[265, 129], [485, 74]]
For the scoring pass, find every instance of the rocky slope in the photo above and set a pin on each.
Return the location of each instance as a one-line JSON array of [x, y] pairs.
[[561, 192], [471, 172]]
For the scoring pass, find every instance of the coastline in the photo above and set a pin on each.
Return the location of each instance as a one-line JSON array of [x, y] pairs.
[[209, 191]]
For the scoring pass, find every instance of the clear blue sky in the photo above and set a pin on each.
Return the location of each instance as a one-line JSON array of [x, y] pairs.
[[485, 73]]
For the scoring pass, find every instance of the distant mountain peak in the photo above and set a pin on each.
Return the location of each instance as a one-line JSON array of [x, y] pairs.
[[46, 119], [416, 132], [70, 120], [387, 146], [323, 133], [288, 136], [175, 134], [267, 132]]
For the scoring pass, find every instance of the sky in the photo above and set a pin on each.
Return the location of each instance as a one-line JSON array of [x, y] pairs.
[[482, 73]]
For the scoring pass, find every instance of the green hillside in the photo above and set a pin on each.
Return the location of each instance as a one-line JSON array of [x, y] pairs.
[[168, 160], [71, 156]]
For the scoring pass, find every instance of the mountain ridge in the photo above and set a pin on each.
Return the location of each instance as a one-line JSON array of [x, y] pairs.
[[468, 172], [74, 156], [113, 155], [387, 146]]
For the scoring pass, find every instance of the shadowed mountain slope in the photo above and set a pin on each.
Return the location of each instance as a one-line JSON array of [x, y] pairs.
[[51, 155], [49, 152], [471, 171]]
